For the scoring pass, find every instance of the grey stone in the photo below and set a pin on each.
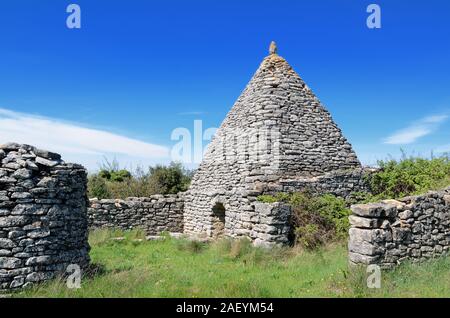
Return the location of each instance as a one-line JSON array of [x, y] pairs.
[[47, 154], [361, 222], [9, 262], [46, 162]]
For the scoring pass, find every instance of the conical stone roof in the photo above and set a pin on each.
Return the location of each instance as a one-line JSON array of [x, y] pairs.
[[276, 129], [277, 99]]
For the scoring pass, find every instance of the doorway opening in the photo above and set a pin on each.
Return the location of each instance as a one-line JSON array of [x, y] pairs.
[[218, 221]]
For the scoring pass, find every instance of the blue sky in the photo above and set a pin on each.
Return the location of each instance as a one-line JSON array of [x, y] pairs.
[[136, 70]]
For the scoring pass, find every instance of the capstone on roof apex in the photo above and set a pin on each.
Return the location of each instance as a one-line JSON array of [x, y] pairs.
[[273, 49]]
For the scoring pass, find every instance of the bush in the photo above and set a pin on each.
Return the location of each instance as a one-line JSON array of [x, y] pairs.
[[410, 176], [114, 183], [316, 219], [169, 180], [97, 188]]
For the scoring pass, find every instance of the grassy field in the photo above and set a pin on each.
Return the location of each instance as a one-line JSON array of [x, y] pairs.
[[180, 268]]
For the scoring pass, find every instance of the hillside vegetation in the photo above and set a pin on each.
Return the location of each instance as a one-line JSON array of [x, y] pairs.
[[409, 176]]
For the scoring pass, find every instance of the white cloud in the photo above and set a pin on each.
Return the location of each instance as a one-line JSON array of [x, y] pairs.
[[416, 130], [86, 145]]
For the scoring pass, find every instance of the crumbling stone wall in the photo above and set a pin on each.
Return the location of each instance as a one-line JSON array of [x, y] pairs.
[[391, 231], [43, 220], [156, 214]]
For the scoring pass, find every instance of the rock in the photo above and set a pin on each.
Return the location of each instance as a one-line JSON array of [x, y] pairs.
[[39, 260], [13, 221], [357, 258], [9, 262], [6, 243], [47, 154], [10, 146], [447, 199], [17, 282], [361, 222], [405, 215], [31, 165], [46, 162], [367, 210], [22, 174]]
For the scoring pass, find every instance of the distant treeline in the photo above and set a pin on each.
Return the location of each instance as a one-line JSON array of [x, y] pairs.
[[112, 182]]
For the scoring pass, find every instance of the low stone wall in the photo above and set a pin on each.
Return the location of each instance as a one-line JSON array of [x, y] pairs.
[[391, 231], [43, 219], [154, 215], [340, 183]]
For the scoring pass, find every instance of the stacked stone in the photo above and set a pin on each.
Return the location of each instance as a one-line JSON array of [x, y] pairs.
[[154, 215], [272, 224], [340, 183], [391, 231], [277, 130], [43, 220]]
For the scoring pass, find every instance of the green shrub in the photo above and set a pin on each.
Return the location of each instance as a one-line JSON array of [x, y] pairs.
[[265, 198], [105, 174], [120, 176], [410, 176], [316, 219], [97, 188], [279, 197], [114, 183], [169, 180]]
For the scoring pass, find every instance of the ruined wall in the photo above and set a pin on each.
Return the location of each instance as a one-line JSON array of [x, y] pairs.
[[391, 231], [43, 221], [155, 214]]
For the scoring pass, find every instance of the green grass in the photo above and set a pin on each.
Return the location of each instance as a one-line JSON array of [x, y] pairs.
[[180, 268]]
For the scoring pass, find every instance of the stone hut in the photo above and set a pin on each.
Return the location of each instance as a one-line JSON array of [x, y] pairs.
[[43, 216], [278, 137]]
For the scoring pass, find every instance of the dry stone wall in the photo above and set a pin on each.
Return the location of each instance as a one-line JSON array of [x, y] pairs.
[[156, 214], [43, 216], [391, 231]]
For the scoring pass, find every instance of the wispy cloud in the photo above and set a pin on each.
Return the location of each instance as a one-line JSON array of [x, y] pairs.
[[416, 130], [73, 140]]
